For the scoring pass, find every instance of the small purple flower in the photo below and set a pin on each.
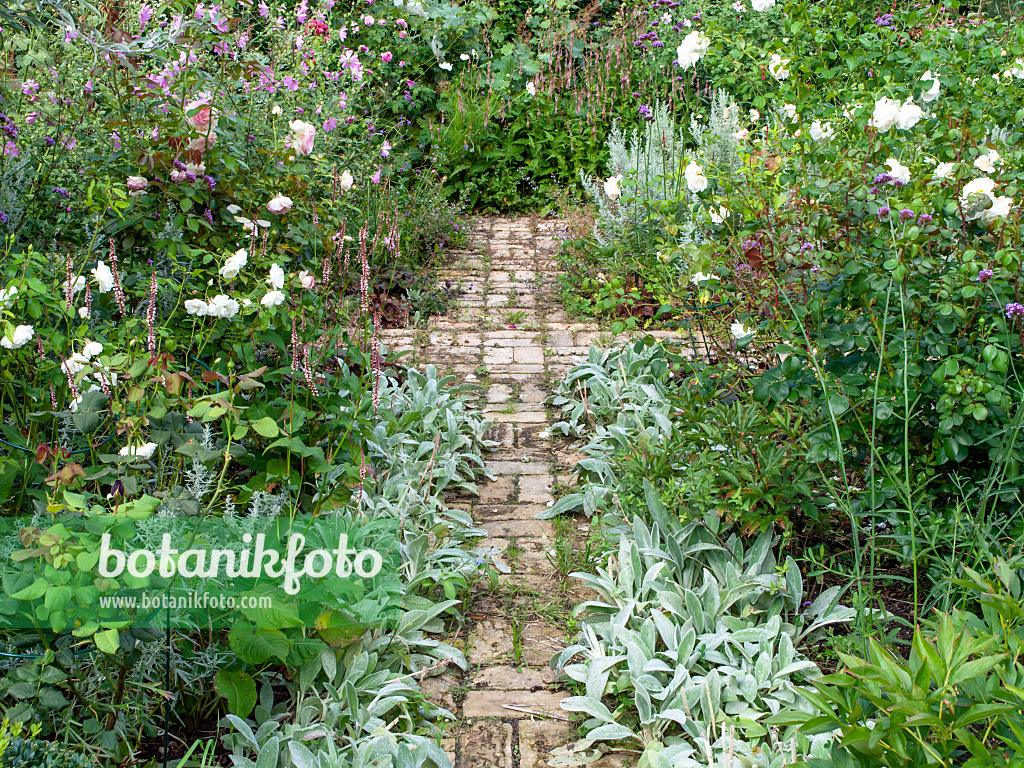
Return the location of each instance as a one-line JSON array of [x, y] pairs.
[[883, 212], [49, 141], [806, 247], [883, 178], [744, 268], [905, 214], [211, 183], [985, 275], [209, 216], [1013, 309], [925, 218]]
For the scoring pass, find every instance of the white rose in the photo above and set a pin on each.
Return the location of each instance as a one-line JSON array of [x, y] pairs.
[[740, 331], [280, 204], [7, 296], [702, 277], [19, 337], [197, 307], [987, 163], [346, 181], [276, 110], [898, 171], [887, 111], [719, 216], [944, 170], [821, 131], [754, 115], [761, 5], [1000, 209], [276, 277], [223, 306], [234, 209], [445, 66], [693, 48], [531, 88], [234, 264], [307, 280], [908, 116], [143, 451], [611, 187], [91, 349], [790, 110], [983, 186], [74, 364], [273, 299], [696, 181], [778, 67], [933, 90], [104, 277]]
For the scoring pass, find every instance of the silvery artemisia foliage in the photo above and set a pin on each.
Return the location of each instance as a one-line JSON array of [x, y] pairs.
[[716, 140], [650, 164]]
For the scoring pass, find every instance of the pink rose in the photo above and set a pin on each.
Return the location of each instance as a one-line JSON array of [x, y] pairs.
[[202, 143], [137, 183], [302, 136], [200, 116]]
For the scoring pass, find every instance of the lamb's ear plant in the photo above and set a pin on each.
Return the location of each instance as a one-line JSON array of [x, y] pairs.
[[699, 638]]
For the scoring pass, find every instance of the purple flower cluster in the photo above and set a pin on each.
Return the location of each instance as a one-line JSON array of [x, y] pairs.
[[645, 112], [885, 20], [884, 211], [925, 218], [985, 275], [905, 214], [1013, 309]]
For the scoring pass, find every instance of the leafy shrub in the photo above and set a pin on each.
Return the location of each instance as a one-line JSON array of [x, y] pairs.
[[35, 753]]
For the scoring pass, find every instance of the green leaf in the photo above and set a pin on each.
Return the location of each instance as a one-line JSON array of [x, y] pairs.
[[238, 688], [33, 591], [107, 640], [266, 427], [258, 646], [277, 615]]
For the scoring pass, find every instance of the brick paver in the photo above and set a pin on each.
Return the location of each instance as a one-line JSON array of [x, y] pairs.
[[508, 334]]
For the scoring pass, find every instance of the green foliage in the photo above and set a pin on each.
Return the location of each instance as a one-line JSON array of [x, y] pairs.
[[24, 752]]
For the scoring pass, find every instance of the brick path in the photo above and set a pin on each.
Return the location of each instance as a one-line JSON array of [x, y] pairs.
[[510, 335]]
